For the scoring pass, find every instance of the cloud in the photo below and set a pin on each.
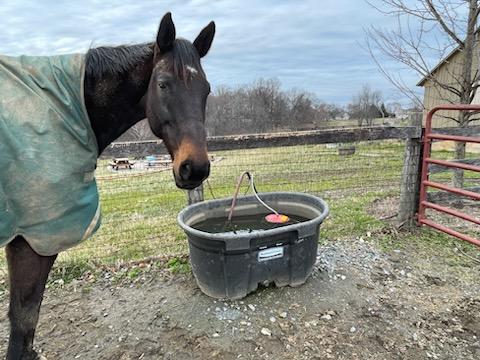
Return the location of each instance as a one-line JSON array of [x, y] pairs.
[[307, 44]]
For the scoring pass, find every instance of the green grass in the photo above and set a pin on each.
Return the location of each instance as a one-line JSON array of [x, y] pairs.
[[471, 178], [178, 265], [139, 210]]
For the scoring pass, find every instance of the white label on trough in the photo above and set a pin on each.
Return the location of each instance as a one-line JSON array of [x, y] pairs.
[[270, 253]]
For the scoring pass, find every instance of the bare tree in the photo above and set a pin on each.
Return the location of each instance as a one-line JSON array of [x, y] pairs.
[[365, 106], [426, 31], [395, 108], [259, 107], [267, 96], [325, 111], [302, 109]]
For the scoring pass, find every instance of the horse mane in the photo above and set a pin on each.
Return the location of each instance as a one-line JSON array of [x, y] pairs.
[[113, 60], [116, 60]]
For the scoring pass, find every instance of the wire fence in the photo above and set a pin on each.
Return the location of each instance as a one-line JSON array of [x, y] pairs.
[[360, 180], [139, 207]]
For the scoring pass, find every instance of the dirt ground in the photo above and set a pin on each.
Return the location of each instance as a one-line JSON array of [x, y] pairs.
[[360, 303]]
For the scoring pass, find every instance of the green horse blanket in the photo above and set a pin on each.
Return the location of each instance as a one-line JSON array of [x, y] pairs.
[[48, 153]]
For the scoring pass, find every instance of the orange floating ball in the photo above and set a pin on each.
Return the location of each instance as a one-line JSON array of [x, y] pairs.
[[277, 218]]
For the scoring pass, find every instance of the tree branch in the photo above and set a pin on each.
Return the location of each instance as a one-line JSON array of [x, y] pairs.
[[442, 23]]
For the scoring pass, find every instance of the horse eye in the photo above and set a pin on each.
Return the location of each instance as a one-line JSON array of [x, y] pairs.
[[162, 85]]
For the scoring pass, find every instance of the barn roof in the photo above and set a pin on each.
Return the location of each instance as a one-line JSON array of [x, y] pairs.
[[446, 59], [439, 65]]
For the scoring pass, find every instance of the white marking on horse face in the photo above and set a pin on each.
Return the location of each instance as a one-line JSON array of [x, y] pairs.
[[191, 70]]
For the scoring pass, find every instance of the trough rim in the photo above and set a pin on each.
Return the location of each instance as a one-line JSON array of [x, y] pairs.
[[256, 234]]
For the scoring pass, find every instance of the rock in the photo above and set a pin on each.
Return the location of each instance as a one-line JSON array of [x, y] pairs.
[[283, 314], [215, 335], [353, 329], [326, 317], [272, 319], [251, 307], [266, 332], [228, 314]]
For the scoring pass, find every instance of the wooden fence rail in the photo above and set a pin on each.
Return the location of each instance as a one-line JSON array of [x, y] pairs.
[[252, 141]]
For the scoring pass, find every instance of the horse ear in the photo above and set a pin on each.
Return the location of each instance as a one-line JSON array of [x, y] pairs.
[[166, 33], [204, 40]]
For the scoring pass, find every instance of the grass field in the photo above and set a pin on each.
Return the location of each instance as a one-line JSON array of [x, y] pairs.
[[139, 209]]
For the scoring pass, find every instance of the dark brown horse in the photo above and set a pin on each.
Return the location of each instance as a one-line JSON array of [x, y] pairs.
[[163, 82]]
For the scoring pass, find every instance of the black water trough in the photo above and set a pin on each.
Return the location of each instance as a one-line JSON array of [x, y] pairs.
[[230, 265]]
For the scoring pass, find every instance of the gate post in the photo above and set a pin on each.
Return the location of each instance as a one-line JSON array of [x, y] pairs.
[[410, 183], [195, 195], [411, 178]]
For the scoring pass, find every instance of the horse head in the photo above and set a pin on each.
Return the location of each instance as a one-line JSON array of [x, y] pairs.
[[176, 100]]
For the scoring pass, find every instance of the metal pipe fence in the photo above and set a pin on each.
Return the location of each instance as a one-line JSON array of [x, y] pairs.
[[429, 136]]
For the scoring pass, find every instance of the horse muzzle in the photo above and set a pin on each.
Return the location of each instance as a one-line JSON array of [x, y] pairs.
[[191, 174]]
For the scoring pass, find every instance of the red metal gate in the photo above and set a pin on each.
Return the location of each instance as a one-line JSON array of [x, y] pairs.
[[425, 182]]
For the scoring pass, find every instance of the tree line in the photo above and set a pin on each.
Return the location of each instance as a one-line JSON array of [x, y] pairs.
[[264, 106]]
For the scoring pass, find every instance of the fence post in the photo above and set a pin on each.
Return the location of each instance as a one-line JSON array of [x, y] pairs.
[[195, 195], [411, 177]]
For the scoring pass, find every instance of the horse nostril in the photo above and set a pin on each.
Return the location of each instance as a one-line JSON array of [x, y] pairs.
[[193, 172], [185, 170]]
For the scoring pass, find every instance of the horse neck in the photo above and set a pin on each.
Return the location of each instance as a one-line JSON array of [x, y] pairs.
[[115, 101]]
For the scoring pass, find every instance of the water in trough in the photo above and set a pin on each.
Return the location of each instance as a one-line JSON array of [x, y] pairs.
[[242, 224]]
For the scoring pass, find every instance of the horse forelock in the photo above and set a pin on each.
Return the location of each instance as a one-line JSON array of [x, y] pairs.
[[183, 60]]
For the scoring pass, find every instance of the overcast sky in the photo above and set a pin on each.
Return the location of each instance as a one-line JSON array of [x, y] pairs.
[[314, 45]]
